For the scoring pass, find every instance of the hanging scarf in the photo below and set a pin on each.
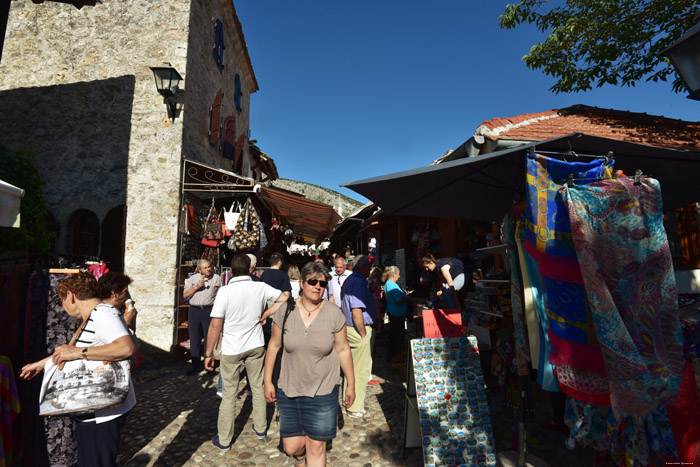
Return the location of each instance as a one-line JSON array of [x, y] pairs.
[[618, 232], [567, 337]]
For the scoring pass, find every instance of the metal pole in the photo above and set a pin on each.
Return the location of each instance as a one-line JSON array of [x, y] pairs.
[[521, 423]]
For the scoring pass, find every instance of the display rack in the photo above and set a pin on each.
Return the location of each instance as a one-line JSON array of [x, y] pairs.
[[452, 403]]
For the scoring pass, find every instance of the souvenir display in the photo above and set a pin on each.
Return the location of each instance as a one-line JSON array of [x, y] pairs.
[[453, 405]]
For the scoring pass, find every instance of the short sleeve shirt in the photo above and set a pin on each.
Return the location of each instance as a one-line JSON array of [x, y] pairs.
[[104, 326], [310, 365], [241, 303], [277, 279], [356, 294], [204, 296], [456, 266]]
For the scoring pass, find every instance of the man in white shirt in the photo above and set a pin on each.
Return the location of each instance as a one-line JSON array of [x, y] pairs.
[[338, 276], [240, 308]]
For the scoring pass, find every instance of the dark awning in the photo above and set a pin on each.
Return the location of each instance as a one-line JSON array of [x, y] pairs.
[[484, 187], [306, 216]]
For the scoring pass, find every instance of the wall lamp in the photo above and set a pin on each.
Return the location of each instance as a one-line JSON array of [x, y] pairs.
[[684, 55], [167, 80]]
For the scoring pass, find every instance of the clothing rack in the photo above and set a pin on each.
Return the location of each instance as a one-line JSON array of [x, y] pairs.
[[637, 178], [608, 157]]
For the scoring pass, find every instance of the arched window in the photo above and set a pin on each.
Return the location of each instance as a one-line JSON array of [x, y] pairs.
[[84, 231], [112, 238]]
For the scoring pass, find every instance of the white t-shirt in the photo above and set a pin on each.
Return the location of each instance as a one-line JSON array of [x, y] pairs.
[[104, 326], [338, 282], [241, 303], [296, 288]]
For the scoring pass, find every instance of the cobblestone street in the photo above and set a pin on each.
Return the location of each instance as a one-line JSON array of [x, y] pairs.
[[175, 419]]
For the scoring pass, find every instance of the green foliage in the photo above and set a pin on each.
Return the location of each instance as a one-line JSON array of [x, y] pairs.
[[16, 168], [602, 41]]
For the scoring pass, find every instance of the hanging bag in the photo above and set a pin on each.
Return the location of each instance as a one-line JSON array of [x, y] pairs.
[[213, 229], [231, 216], [83, 386], [247, 232]]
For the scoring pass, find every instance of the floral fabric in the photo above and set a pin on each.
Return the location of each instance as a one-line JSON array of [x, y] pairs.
[[632, 441], [61, 441], [618, 233]]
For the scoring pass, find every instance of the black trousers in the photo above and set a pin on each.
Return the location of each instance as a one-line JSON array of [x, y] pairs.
[[98, 443], [396, 336], [198, 320]]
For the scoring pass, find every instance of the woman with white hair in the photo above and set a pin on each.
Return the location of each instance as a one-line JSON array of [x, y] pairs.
[[397, 307]]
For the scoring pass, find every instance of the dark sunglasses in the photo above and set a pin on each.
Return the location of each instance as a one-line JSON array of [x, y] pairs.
[[313, 282]]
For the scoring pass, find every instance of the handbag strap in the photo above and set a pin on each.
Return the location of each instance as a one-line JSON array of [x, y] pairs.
[[291, 304]]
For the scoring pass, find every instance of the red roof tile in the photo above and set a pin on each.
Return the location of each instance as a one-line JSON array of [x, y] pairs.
[[608, 123]]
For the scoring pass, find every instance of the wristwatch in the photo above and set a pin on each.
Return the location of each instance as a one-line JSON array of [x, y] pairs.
[[84, 353], [208, 356]]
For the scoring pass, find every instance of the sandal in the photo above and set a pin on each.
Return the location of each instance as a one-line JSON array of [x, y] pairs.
[[299, 461]]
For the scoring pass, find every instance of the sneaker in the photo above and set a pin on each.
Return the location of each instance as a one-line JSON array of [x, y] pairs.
[[261, 436], [364, 415], [219, 446]]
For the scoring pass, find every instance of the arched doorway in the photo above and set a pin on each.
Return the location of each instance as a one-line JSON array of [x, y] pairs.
[[84, 234], [112, 241]]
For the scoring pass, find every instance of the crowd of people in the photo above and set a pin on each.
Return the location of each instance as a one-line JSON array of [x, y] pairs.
[[303, 333]]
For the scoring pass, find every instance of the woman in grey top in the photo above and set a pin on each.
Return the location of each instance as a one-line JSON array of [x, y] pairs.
[[315, 349]]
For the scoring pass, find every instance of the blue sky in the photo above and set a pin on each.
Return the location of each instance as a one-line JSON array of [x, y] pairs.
[[351, 90]]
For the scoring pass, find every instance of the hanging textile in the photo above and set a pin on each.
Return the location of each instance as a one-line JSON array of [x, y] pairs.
[[623, 250], [561, 303], [61, 441], [516, 298], [631, 441], [9, 409], [532, 326], [684, 414]]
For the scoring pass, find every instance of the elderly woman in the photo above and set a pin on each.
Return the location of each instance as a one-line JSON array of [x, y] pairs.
[[397, 307], [104, 337], [315, 350], [449, 272]]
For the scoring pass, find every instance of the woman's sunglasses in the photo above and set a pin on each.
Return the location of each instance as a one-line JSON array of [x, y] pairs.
[[313, 282]]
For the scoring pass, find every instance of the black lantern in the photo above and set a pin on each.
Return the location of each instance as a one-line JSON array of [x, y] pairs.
[[684, 54], [167, 80]]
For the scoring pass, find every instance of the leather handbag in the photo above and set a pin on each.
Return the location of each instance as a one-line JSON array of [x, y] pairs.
[[213, 229], [291, 304], [83, 386], [246, 235]]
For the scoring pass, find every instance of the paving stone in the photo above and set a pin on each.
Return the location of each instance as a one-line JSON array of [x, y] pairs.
[[175, 419]]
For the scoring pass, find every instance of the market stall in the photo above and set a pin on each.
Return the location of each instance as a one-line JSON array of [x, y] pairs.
[[592, 304]]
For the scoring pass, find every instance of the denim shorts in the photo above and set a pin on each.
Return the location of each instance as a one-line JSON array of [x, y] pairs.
[[315, 417]]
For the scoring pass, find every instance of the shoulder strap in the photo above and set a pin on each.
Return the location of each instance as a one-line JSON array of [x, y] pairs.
[[75, 337]]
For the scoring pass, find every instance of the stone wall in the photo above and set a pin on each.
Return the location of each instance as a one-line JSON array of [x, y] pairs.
[[80, 84], [202, 70]]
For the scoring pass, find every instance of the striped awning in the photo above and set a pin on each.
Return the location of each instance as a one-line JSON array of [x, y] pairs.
[[305, 216]]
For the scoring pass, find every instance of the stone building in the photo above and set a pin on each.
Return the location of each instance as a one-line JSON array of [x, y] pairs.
[[77, 89]]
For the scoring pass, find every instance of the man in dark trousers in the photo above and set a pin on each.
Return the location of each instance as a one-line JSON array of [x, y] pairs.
[[277, 278], [201, 290]]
